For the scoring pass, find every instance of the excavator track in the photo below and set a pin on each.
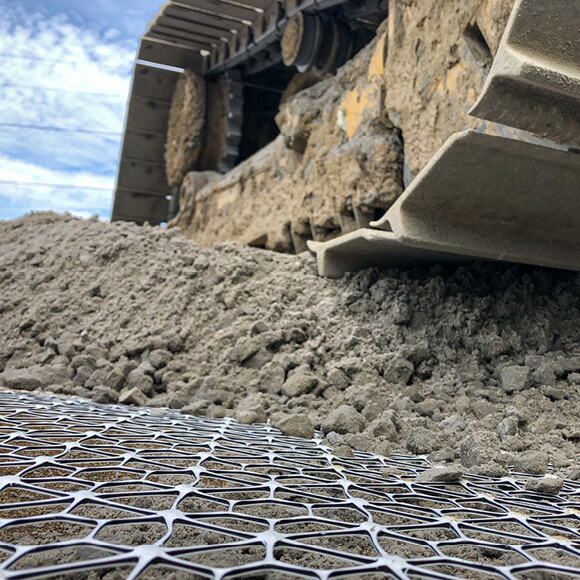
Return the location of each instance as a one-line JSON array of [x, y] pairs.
[[482, 195], [236, 39], [234, 123]]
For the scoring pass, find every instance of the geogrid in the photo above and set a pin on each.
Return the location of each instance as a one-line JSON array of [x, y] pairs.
[[91, 491]]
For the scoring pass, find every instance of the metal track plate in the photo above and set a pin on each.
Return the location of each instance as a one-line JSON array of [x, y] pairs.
[[494, 198], [366, 248], [534, 83], [141, 189]]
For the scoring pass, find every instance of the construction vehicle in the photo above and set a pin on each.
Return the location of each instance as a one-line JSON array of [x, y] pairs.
[[241, 43], [489, 197], [504, 191]]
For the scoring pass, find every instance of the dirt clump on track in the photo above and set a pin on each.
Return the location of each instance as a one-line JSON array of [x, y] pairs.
[[478, 365]]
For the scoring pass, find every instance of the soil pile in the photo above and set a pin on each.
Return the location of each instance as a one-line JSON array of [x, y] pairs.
[[478, 364]]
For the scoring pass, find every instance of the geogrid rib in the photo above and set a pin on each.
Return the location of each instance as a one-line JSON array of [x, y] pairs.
[[106, 492]]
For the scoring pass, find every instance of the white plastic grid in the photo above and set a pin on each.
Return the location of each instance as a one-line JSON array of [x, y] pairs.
[[92, 491]]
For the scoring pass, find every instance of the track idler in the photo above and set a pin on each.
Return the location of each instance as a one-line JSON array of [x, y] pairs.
[[316, 42]]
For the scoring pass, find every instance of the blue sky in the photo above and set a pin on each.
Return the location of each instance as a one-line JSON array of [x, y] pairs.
[[77, 77]]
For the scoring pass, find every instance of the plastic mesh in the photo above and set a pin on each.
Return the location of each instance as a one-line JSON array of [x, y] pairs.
[[91, 491]]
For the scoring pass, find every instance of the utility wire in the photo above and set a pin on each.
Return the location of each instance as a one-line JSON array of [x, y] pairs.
[[54, 185], [62, 129], [57, 90], [60, 61]]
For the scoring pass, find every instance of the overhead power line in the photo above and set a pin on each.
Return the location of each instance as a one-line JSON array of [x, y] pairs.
[[57, 90], [62, 129], [61, 61], [54, 185]]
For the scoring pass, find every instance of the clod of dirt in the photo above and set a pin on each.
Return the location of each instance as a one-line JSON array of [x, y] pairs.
[[515, 378], [481, 448], [186, 125], [422, 441], [104, 396], [534, 462], [550, 485], [345, 419], [294, 425], [441, 473], [343, 451], [358, 442], [252, 415], [133, 397], [383, 426]]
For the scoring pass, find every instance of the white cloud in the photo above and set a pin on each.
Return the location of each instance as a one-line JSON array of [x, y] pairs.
[[83, 214], [13, 170], [61, 158]]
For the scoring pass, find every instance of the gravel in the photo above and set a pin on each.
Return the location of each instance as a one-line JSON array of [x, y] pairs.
[[478, 364]]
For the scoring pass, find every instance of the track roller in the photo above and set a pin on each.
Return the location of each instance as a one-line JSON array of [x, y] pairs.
[[301, 41], [335, 49], [316, 42]]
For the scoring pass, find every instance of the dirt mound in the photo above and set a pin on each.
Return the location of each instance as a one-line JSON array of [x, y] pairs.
[[477, 364]]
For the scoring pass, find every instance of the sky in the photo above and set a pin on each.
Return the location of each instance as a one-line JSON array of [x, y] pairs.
[[66, 64]]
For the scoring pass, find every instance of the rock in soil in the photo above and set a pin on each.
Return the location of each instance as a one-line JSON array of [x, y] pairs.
[[481, 448], [295, 425], [534, 462], [550, 485], [441, 473], [345, 419]]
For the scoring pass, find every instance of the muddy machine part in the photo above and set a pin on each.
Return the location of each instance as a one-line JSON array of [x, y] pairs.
[[142, 190], [494, 198], [315, 42], [489, 197], [366, 247], [534, 83], [235, 122], [255, 43]]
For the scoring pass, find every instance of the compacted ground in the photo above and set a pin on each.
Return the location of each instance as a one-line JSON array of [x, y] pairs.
[[478, 365]]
